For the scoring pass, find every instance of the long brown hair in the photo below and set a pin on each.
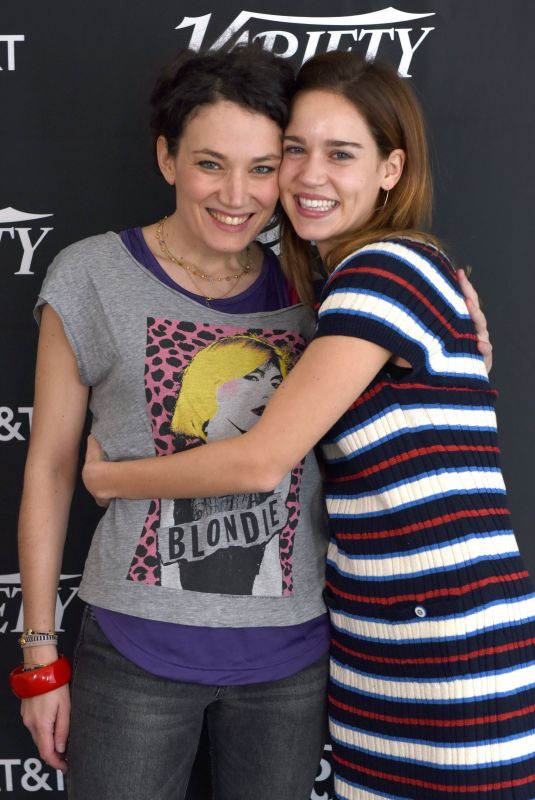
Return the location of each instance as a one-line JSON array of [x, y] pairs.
[[395, 120]]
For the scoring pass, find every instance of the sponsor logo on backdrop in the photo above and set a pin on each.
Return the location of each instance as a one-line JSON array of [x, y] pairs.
[[11, 616], [301, 37], [8, 43], [19, 229], [29, 774], [322, 785], [15, 423]]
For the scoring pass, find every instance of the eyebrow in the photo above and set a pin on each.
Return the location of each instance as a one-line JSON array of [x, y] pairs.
[[328, 142], [222, 157]]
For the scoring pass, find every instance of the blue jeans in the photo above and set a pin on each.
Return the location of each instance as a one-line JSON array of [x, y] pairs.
[[135, 735]]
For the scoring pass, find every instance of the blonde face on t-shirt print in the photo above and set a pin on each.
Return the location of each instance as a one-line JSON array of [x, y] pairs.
[[227, 544]]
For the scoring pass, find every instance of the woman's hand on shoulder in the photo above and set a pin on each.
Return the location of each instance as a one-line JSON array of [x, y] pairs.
[[94, 472], [478, 318], [47, 718]]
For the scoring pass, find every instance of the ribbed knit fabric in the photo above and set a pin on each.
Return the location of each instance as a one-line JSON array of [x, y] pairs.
[[433, 613]]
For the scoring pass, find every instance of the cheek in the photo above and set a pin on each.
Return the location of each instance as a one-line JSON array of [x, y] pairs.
[[229, 390], [285, 175], [269, 194], [193, 187]]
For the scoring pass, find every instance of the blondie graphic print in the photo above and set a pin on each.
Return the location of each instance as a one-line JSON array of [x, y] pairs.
[[205, 382]]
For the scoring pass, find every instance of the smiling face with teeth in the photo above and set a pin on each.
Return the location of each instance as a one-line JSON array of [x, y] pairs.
[[225, 177], [332, 171]]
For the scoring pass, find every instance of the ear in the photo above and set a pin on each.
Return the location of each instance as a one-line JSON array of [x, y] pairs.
[[166, 161], [393, 169]]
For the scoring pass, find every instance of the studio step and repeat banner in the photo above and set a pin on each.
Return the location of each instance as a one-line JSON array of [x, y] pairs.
[[75, 160]]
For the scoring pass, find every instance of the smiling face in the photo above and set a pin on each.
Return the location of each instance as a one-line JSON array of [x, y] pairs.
[[225, 174], [332, 171], [242, 400]]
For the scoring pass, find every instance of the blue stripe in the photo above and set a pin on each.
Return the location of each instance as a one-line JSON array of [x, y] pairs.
[[417, 477], [451, 745], [445, 701], [423, 499], [509, 670], [408, 263], [417, 573], [386, 795], [343, 312], [396, 434], [511, 623], [417, 407], [432, 764], [439, 546], [391, 300], [428, 499]]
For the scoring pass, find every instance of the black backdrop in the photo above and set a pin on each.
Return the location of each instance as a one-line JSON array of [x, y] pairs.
[[75, 160]]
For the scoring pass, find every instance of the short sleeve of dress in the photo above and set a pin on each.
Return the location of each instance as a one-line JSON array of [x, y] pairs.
[[403, 296], [69, 287]]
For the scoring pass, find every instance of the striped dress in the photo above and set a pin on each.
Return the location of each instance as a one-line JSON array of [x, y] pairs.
[[433, 613]]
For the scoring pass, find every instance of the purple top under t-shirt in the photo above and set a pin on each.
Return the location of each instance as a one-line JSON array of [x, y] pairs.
[[217, 656]]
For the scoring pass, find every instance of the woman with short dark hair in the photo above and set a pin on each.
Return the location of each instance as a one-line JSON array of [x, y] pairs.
[[205, 608]]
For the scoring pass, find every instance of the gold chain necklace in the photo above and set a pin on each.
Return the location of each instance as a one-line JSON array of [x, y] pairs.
[[191, 269], [208, 299]]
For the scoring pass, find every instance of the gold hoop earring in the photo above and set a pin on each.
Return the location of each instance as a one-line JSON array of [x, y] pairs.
[[386, 198]]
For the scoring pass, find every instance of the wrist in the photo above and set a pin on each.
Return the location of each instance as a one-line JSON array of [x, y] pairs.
[[43, 678], [40, 655], [97, 477]]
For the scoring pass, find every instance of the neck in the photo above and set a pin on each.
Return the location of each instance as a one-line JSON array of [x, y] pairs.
[[176, 245]]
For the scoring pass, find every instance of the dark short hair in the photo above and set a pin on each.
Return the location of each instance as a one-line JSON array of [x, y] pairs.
[[248, 76]]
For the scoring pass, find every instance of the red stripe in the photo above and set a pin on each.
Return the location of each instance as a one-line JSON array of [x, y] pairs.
[[433, 723], [391, 276], [415, 453], [438, 787], [434, 253], [485, 651], [444, 519], [456, 591], [379, 386]]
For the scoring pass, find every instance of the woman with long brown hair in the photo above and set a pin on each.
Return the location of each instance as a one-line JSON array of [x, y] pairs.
[[432, 610]]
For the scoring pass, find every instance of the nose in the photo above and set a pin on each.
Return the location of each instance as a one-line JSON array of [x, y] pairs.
[[312, 170], [234, 191]]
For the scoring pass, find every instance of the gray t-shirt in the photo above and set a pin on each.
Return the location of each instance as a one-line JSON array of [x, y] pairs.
[[168, 373]]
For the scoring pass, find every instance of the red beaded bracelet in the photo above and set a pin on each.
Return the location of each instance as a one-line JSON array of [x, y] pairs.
[[41, 680]]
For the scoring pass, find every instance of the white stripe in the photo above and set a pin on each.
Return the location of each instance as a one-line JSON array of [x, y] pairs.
[[436, 691], [428, 560], [494, 615], [433, 275], [400, 420], [348, 791], [407, 326], [416, 491], [448, 755]]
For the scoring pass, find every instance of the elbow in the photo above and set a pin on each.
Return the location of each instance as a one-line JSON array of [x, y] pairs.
[[260, 468], [263, 475]]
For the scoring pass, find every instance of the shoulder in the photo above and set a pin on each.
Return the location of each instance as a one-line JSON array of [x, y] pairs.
[[87, 257], [398, 255], [397, 266], [397, 275], [90, 248]]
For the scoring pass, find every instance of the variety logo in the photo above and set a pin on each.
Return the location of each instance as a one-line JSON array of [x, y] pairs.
[[302, 37], [9, 51], [22, 235], [28, 775], [14, 424], [11, 613]]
